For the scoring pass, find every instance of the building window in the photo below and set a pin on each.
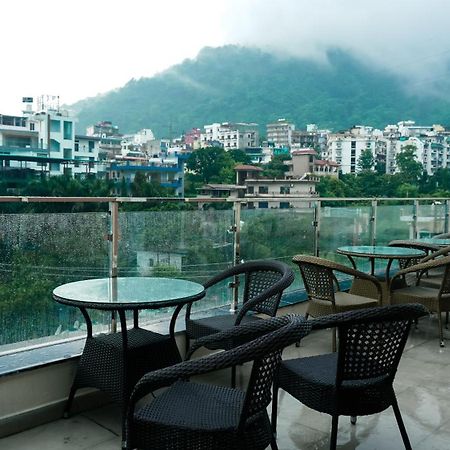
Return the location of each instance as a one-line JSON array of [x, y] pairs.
[[67, 130], [285, 190], [32, 126], [54, 145], [263, 205], [284, 205], [91, 146], [263, 189], [250, 190], [55, 126]]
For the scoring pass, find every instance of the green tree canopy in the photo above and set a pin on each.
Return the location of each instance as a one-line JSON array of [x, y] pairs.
[[366, 161], [410, 169], [207, 163], [277, 168]]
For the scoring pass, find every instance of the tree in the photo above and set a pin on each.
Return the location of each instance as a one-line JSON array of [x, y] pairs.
[[207, 163], [410, 169], [366, 160], [277, 168]]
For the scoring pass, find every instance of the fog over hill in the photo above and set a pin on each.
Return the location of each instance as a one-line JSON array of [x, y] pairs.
[[239, 84]]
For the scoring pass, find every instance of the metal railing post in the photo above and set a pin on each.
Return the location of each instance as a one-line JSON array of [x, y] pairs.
[[316, 225], [373, 222], [113, 239], [447, 216], [236, 228], [415, 218]]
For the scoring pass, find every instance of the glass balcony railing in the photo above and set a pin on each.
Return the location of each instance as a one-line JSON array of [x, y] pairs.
[[40, 251]]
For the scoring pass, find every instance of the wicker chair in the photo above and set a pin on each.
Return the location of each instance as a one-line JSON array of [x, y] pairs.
[[442, 236], [190, 415], [322, 287], [358, 379], [264, 283], [417, 286], [427, 248]]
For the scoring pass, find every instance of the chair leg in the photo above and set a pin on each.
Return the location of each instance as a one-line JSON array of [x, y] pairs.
[[274, 408], [273, 444], [401, 425], [333, 343], [334, 429], [68, 405], [441, 331]]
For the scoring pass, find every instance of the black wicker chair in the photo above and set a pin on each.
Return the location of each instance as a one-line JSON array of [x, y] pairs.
[[263, 284], [190, 415], [358, 379]]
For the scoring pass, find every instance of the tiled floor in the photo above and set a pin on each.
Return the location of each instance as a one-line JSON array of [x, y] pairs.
[[422, 386]]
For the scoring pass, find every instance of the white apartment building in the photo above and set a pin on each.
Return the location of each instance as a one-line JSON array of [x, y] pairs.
[[280, 132], [346, 148], [44, 141], [231, 135]]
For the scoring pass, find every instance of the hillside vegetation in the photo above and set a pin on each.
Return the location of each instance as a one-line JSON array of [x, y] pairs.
[[239, 84]]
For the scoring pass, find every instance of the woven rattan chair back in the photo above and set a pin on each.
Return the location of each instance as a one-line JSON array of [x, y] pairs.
[[371, 350], [319, 281], [256, 282]]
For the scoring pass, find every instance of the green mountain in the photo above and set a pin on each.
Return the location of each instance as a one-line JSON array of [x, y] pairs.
[[236, 84]]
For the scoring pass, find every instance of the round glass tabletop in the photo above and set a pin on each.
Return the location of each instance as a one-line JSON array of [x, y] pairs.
[[114, 293], [378, 251]]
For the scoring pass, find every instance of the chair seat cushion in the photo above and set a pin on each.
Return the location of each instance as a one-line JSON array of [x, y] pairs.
[[196, 406], [312, 381], [192, 416], [343, 302], [210, 325], [425, 295]]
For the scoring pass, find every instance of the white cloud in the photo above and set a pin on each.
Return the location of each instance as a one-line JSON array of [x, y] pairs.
[[78, 49]]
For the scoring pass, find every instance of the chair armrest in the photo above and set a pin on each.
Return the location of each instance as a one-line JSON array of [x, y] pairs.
[[408, 311], [239, 333], [420, 267], [442, 252]]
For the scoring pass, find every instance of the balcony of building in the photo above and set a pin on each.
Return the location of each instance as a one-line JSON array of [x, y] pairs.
[[42, 340]]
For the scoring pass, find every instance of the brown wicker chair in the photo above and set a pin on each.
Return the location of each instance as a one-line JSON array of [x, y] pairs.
[[358, 379], [427, 248], [191, 415], [415, 290], [322, 287]]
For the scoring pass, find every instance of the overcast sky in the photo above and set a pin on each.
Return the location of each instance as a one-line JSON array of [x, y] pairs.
[[77, 49]]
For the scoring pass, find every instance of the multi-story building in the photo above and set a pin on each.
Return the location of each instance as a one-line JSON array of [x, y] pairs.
[[44, 141], [166, 171], [306, 162], [347, 147], [280, 132], [231, 136]]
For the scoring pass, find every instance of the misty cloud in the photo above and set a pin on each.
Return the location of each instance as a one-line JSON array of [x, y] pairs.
[[406, 38]]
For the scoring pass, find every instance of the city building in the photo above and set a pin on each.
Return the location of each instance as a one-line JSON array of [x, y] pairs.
[[44, 141], [231, 136], [280, 132], [306, 162]]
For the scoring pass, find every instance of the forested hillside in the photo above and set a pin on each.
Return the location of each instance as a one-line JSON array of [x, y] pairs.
[[239, 84]]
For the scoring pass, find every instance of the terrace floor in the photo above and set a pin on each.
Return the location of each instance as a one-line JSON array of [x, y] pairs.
[[422, 386]]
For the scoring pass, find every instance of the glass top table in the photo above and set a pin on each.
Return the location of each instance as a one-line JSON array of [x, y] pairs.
[[114, 362], [379, 252], [128, 293]]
